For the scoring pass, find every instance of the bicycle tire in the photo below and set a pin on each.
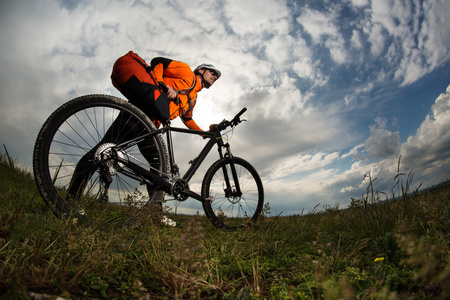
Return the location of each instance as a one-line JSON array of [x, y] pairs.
[[231, 212], [73, 130]]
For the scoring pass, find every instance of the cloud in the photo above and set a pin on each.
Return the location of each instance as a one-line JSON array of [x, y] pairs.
[[434, 38], [359, 3], [319, 25], [428, 151], [322, 28], [304, 163], [382, 143], [247, 18], [416, 35], [312, 178]]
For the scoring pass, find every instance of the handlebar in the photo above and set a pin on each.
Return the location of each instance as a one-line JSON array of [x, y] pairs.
[[225, 123]]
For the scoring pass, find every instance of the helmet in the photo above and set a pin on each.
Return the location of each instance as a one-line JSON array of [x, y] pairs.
[[208, 67]]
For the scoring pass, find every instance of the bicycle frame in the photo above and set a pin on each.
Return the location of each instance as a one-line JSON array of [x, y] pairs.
[[150, 178]]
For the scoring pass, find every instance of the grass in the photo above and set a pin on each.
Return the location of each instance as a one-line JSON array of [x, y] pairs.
[[375, 249]]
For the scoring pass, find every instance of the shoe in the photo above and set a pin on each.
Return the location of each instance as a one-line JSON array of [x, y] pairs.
[[166, 221]]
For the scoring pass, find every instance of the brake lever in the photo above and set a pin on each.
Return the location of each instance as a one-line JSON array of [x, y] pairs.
[[236, 122]]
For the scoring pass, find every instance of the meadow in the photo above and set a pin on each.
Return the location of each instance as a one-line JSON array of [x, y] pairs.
[[382, 246]]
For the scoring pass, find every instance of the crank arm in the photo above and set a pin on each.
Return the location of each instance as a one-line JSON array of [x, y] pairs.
[[194, 195], [157, 180]]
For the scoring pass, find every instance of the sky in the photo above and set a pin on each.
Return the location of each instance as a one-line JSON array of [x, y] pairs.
[[335, 90]]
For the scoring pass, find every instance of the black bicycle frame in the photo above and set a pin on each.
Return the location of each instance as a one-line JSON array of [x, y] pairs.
[[149, 177]]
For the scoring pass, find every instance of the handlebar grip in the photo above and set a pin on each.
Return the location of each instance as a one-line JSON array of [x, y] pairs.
[[236, 119], [241, 112]]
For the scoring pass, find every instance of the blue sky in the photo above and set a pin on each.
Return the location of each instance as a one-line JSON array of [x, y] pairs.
[[335, 90]]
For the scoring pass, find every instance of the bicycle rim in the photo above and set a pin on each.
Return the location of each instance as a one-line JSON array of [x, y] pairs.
[[224, 207], [76, 131]]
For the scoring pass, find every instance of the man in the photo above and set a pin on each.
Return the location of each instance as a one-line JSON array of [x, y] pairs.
[[183, 84], [166, 89]]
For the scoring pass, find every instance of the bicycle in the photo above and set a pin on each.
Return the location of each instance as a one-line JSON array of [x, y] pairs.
[[130, 164]]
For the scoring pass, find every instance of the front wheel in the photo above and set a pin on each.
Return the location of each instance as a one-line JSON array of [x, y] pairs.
[[232, 201]]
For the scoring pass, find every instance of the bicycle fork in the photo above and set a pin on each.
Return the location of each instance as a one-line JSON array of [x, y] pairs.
[[229, 192]]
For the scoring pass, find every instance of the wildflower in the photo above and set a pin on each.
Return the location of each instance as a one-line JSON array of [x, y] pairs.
[[379, 259]]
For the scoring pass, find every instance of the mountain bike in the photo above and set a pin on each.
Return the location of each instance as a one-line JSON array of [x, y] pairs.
[[98, 150]]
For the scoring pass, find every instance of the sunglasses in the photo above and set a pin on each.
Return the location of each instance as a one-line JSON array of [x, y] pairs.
[[213, 73]]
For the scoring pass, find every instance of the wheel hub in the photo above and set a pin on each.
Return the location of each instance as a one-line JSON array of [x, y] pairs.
[[106, 156], [234, 199], [232, 195]]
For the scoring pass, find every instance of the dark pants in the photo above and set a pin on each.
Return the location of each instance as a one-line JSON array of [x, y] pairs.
[[121, 130]]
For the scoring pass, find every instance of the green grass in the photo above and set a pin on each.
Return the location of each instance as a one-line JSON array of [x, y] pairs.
[[373, 250]]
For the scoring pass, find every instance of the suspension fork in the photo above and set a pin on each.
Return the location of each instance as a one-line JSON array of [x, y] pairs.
[[229, 190]]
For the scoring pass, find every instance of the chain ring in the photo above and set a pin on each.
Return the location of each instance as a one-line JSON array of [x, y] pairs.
[[178, 188]]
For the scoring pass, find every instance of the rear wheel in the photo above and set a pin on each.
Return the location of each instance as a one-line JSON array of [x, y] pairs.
[[225, 206], [75, 156]]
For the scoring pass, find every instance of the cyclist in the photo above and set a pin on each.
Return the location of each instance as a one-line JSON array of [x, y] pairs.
[[164, 90], [142, 85]]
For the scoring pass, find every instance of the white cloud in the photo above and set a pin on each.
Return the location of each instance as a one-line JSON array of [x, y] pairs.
[[359, 92], [257, 17], [416, 34], [360, 3], [376, 38], [280, 49], [314, 176], [283, 102], [428, 151], [303, 163], [323, 29], [304, 65], [319, 25], [434, 38]]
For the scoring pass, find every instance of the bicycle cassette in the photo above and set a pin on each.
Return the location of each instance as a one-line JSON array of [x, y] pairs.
[[106, 156]]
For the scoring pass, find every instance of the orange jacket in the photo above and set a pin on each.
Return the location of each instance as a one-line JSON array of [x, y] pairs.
[[180, 77]]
